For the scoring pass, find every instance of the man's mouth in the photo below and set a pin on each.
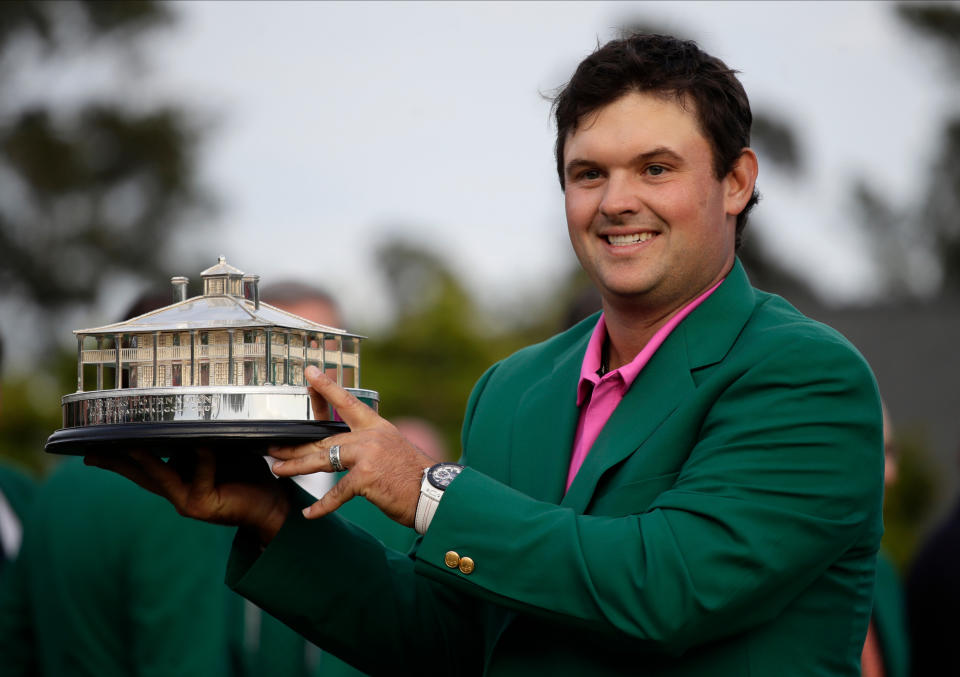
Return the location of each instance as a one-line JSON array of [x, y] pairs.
[[630, 238]]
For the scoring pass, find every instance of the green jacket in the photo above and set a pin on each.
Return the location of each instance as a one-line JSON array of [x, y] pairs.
[[111, 581], [16, 490], [890, 618], [725, 522]]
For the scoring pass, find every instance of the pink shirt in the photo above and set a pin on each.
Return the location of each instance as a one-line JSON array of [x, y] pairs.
[[603, 393]]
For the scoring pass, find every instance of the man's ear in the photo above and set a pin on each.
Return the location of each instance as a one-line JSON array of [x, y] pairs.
[[740, 182]]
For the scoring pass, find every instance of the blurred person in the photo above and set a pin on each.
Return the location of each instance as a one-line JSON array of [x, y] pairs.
[[688, 483], [16, 493], [424, 436], [933, 598], [886, 651], [111, 581], [317, 305]]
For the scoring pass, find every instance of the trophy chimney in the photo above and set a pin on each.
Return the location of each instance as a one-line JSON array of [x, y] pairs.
[[179, 288], [251, 289]]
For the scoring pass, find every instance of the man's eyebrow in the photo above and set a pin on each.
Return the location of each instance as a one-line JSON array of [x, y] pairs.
[[576, 164], [659, 151]]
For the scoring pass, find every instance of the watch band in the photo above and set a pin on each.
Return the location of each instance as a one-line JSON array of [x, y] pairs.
[[427, 504]]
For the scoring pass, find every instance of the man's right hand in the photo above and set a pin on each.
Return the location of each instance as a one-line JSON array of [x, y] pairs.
[[253, 499]]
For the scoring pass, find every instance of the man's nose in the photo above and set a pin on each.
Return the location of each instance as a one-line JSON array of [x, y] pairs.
[[621, 197]]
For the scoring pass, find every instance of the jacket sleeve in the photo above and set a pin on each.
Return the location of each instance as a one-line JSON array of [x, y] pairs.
[[785, 477], [339, 587]]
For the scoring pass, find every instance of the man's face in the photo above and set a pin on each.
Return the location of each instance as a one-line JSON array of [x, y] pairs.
[[314, 310], [647, 217]]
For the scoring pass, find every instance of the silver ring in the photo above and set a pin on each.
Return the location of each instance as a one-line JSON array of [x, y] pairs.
[[335, 458]]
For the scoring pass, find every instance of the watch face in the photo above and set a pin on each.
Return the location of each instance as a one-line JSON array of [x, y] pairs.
[[442, 474]]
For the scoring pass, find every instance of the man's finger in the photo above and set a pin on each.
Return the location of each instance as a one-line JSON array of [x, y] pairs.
[[204, 474], [310, 458], [320, 446], [354, 413], [321, 410], [123, 465], [341, 492], [165, 477]]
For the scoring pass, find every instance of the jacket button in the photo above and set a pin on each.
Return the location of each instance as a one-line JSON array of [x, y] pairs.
[[466, 565], [452, 559]]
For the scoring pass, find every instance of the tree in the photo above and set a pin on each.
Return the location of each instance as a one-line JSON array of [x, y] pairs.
[[89, 190], [908, 240], [92, 190]]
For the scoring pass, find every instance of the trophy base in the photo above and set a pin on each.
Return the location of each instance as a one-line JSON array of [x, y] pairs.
[[167, 438]]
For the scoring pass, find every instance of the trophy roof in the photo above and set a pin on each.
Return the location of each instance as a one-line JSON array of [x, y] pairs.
[[221, 268], [212, 313]]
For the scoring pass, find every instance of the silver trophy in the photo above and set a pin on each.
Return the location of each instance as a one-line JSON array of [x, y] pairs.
[[221, 369]]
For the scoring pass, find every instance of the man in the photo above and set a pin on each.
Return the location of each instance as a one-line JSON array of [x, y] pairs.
[[886, 651], [933, 597], [690, 484]]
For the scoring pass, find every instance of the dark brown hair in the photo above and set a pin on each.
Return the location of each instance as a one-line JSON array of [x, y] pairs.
[[668, 66]]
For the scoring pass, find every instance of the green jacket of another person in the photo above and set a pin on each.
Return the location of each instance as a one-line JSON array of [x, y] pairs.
[[890, 618], [725, 522], [111, 581]]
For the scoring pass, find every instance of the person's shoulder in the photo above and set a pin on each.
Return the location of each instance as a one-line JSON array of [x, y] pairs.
[[777, 325], [16, 486], [12, 476]]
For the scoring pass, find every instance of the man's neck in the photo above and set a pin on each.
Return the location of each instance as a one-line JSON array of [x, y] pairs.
[[631, 325], [628, 332]]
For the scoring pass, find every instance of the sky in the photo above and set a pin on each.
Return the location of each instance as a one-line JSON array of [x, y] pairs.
[[335, 126]]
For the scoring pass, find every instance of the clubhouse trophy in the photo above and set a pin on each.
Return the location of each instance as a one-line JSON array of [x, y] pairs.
[[220, 370]]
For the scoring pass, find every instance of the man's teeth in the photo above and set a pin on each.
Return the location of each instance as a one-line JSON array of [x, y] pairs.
[[632, 238]]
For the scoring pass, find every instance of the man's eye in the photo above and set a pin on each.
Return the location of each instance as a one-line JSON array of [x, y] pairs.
[[656, 170], [590, 174]]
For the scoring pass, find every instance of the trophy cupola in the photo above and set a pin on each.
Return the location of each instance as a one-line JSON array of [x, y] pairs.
[[222, 279]]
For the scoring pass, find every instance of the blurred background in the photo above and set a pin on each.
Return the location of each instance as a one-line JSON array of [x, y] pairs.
[[399, 155]]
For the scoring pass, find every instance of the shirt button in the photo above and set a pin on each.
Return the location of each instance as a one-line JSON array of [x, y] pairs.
[[452, 559], [466, 565]]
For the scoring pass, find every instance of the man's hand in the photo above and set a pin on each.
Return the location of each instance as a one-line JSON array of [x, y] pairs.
[[384, 467], [253, 499]]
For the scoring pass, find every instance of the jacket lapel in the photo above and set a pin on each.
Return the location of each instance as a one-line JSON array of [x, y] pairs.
[[659, 388], [544, 427], [712, 329]]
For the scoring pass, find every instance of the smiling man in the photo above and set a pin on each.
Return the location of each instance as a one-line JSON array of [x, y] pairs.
[[688, 483]]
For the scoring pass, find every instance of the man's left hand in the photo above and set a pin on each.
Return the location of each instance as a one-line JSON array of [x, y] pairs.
[[383, 466]]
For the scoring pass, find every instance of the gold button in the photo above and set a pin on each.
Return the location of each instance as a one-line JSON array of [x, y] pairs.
[[466, 565], [452, 559]]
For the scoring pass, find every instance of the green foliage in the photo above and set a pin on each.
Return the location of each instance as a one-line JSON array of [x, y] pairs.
[[92, 189], [929, 225], [908, 504], [426, 364], [100, 194], [30, 412]]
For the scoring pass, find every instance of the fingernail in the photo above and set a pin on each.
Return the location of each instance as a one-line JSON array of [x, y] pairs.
[[277, 464], [312, 372], [306, 511]]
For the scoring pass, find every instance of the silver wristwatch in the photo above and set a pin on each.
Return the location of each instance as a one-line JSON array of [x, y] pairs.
[[436, 479]]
